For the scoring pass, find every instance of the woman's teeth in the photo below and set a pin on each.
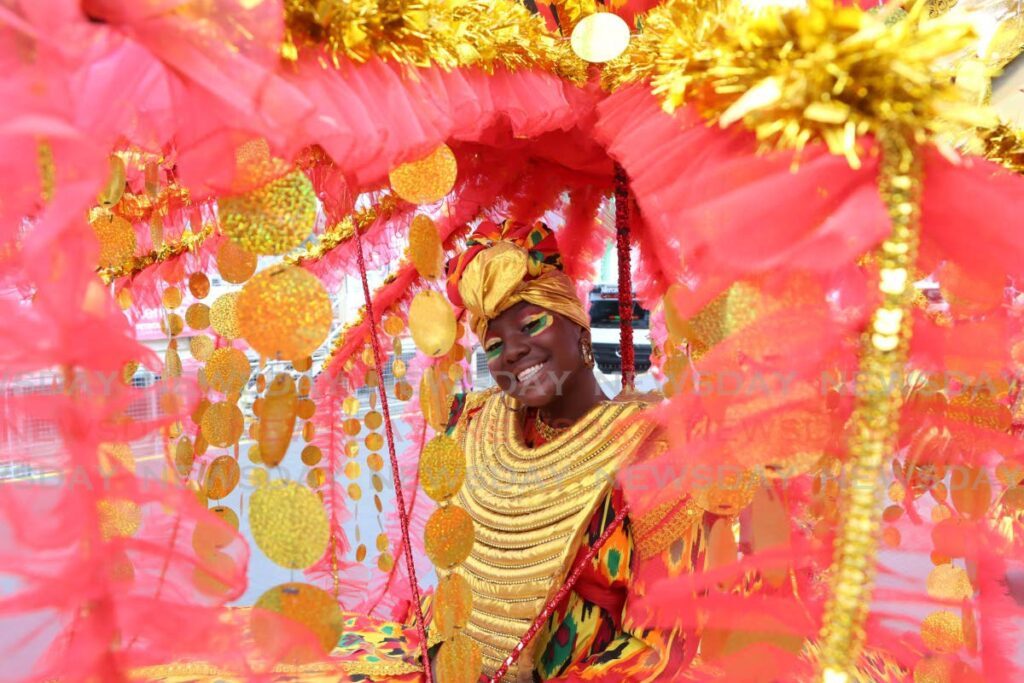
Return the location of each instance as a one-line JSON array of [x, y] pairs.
[[529, 372]]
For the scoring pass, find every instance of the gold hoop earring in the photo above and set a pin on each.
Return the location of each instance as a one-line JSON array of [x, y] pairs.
[[587, 352]]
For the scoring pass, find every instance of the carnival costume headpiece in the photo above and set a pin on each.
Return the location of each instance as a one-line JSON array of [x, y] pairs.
[[508, 263]]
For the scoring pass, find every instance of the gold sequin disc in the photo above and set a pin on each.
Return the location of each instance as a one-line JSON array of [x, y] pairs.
[[453, 603], [224, 316], [289, 524], [432, 323], [426, 180], [442, 468], [424, 248], [235, 265], [228, 370], [271, 219], [308, 606], [284, 312], [199, 285], [448, 537], [459, 660], [222, 477], [222, 424]]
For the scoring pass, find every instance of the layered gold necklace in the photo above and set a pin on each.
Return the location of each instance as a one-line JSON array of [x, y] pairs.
[[530, 508]]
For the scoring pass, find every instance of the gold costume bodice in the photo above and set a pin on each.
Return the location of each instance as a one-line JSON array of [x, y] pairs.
[[530, 508]]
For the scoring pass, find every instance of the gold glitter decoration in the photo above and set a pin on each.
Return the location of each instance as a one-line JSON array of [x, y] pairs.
[[289, 524], [351, 426], [385, 562], [271, 219], [375, 462], [222, 476], [473, 33], [222, 424], [228, 370], [374, 441], [432, 323], [207, 578], [876, 416], [424, 250], [184, 456], [403, 391], [201, 348], [1004, 145], [943, 631], [426, 180], [235, 264], [360, 553], [378, 483], [459, 660], [284, 312], [254, 450], [355, 492], [305, 384], [130, 267], [210, 536], [277, 419], [934, 670], [224, 316], [316, 478], [453, 603], [398, 368], [173, 325], [442, 468], [435, 398], [116, 237], [118, 518], [171, 297], [199, 285], [303, 364], [352, 469], [311, 455], [798, 75], [311, 607], [373, 419], [308, 431], [172, 363], [197, 316], [448, 537], [394, 326], [306, 409], [115, 457], [729, 494], [947, 582], [344, 230], [352, 449]]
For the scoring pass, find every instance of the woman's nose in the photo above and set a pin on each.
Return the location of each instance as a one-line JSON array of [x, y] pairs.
[[515, 348]]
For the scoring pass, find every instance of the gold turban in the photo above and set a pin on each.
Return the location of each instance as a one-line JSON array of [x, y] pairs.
[[506, 265]]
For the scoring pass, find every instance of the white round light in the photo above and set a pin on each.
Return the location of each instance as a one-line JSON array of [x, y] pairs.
[[600, 37]]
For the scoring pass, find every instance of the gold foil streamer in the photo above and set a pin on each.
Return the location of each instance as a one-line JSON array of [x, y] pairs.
[[130, 267], [822, 73], [289, 524], [876, 414], [422, 33]]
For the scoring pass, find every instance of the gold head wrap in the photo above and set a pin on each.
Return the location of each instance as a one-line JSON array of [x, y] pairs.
[[504, 265]]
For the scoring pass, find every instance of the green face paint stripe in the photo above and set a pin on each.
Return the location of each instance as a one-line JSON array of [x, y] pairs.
[[535, 324]]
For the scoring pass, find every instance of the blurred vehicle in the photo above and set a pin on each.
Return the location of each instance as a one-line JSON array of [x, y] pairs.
[[604, 331]]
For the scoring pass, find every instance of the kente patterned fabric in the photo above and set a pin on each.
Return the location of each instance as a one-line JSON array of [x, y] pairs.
[[508, 263]]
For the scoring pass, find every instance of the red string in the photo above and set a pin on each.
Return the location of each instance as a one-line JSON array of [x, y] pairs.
[[554, 602], [396, 476], [625, 278]]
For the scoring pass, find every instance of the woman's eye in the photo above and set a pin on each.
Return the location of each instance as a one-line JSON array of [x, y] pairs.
[[493, 351], [537, 324]]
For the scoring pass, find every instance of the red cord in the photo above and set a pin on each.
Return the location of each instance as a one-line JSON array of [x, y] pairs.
[[396, 476], [625, 279], [554, 602]]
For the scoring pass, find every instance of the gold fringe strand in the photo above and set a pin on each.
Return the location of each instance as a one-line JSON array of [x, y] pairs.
[[189, 241], [876, 415]]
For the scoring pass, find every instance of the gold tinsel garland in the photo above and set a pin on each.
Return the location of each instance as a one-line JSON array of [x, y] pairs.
[[876, 415], [135, 207], [825, 73], [1005, 146], [188, 241], [423, 33], [344, 230]]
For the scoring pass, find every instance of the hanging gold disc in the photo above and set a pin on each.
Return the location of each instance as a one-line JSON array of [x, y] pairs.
[[311, 607], [272, 219], [224, 316], [277, 419], [448, 537], [222, 477], [432, 323], [228, 370], [201, 347], [199, 285], [116, 237], [453, 603], [210, 536], [442, 468], [284, 312], [435, 398], [426, 180], [235, 264], [424, 248], [459, 660], [197, 316], [184, 456], [311, 455], [222, 424], [289, 524]]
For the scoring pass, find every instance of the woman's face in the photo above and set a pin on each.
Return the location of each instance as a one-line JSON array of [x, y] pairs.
[[532, 353]]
